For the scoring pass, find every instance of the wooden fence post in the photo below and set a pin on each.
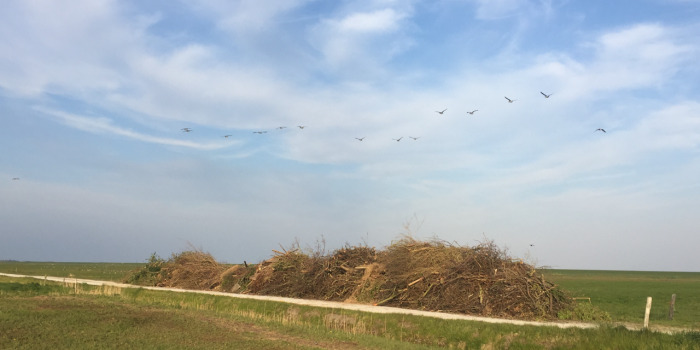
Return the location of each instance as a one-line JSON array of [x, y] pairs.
[[672, 307], [646, 313]]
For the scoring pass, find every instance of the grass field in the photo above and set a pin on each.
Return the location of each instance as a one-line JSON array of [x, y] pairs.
[[38, 316], [95, 271], [623, 294]]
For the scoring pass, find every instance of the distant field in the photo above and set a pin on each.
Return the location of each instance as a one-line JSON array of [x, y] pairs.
[[624, 293], [95, 271], [39, 315]]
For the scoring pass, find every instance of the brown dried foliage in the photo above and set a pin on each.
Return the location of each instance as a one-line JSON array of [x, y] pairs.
[[482, 280], [433, 275], [299, 274], [195, 269], [427, 275]]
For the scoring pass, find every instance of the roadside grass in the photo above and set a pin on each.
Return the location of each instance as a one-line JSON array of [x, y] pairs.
[[623, 294], [42, 315], [620, 293], [95, 271]]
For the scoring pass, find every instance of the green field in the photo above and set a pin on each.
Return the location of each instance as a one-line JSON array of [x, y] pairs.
[[94, 271], [623, 294], [46, 315]]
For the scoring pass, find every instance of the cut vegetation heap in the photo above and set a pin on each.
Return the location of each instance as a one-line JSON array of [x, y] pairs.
[[432, 276]]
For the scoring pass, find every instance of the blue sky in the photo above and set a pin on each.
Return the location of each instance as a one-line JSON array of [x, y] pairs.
[[93, 97]]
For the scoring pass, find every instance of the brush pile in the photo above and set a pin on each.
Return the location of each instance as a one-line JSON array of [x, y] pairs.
[[426, 275], [313, 275], [192, 269], [481, 280]]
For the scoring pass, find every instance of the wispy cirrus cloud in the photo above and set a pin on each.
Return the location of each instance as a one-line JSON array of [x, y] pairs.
[[103, 125], [361, 40], [246, 16], [500, 9], [52, 47]]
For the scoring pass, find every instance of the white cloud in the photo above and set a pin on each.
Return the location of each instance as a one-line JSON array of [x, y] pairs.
[[632, 58], [193, 84], [500, 9], [639, 56], [357, 44], [245, 16], [676, 127], [372, 22], [104, 125], [197, 84], [495, 9], [57, 47]]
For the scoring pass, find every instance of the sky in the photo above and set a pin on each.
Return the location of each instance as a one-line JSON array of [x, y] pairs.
[[94, 96]]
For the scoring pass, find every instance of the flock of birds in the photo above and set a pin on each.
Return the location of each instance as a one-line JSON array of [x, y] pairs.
[[362, 138], [397, 140]]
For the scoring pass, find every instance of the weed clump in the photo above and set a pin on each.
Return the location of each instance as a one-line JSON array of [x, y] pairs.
[[149, 274], [582, 311]]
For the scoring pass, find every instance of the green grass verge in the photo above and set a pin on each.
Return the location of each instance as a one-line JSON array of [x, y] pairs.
[[94, 271], [620, 293], [38, 315], [623, 294]]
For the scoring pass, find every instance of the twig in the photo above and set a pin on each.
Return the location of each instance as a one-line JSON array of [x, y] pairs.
[[416, 281]]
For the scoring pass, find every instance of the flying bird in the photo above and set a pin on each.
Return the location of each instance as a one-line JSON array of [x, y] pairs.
[[226, 136], [259, 132], [545, 95], [509, 100], [281, 127], [532, 245], [443, 111], [603, 130], [414, 138], [357, 138], [301, 127], [186, 129], [399, 139], [15, 178], [472, 112]]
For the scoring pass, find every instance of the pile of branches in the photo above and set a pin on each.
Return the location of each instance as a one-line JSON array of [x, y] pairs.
[[433, 275], [312, 274], [192, 269], [483, 280], [426, 275]]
